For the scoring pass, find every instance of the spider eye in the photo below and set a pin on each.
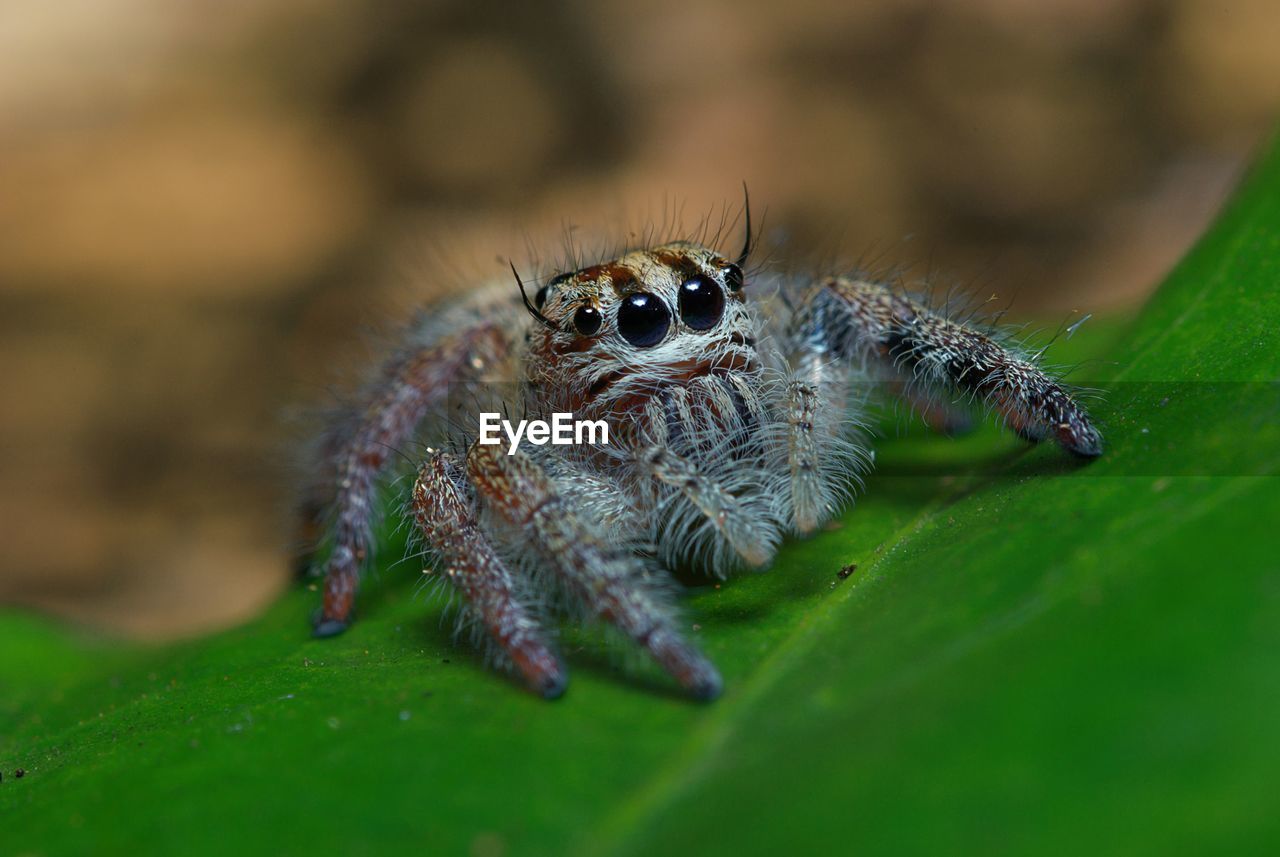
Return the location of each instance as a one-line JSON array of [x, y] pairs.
[[643, 319], [541, 297], [733, 277], [587, 320], [701, 302]]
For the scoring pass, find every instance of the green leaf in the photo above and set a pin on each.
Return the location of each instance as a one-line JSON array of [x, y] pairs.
[[1032, 656]]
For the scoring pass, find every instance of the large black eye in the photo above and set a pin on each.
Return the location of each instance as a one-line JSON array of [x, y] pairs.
[[643, 319], [701, 302], [587, 320]]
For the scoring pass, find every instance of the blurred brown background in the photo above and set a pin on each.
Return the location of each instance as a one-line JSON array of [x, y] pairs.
[[204, 205]]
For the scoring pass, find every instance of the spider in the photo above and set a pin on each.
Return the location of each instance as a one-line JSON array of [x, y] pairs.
[[734, 409]]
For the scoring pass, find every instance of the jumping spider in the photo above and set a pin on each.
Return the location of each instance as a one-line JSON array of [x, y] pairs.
[[734, 422]]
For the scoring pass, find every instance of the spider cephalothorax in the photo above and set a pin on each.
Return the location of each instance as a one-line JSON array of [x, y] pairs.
[[734, 422], [616, 333]]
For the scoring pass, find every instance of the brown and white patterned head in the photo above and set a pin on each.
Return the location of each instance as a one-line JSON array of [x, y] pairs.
[[609, 336]]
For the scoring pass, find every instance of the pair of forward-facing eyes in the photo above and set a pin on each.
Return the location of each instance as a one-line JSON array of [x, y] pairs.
[[643, 318]]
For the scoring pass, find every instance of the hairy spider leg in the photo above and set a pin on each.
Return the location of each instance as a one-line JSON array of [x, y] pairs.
[[444, 507], [945, 357], [610, 581], [409, 386], [754, 543]]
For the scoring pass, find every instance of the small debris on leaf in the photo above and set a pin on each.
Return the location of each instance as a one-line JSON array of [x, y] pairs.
[[849, 569]]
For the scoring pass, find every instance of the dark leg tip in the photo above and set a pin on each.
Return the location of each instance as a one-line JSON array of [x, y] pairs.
[[553, 686], [697, 675], [1083, 442], [322, 627], [708, 689]]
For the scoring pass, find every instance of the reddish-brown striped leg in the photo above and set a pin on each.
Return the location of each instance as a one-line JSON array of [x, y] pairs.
[[609, 580], [444, 507], [410, 386], [864, 319]]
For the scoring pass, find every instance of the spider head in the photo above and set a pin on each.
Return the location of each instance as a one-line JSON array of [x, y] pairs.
[[612, 334]]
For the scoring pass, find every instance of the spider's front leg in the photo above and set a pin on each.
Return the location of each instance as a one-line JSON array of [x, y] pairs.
[[859, 319], [610, 581], [825, 452], [409, 387], [753, 544], [444, 508], [672, 416]]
